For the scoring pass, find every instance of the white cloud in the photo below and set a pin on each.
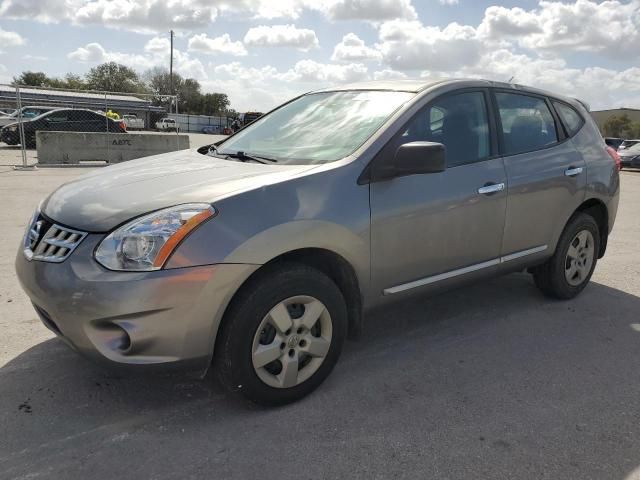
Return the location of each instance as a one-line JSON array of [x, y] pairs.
[[10, 39], [183, 64], [146, 15], [353, 49], [222, 44], [3, 74], [151, 16], [448, 2], [409, 45], [92, 52], [311, 71], [610, 28], [373, 10], [264, 88], [281, 36], [388, 74], [158, 45], [600, 87]]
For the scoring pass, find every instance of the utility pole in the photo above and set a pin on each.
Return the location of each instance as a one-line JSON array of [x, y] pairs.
[[171, 65]]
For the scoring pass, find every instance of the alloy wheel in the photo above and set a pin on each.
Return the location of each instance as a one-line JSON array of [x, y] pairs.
[[292, 341], [580, 257]]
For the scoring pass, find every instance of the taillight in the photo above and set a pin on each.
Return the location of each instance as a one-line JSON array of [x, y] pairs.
[[614, 156], [122, 125]]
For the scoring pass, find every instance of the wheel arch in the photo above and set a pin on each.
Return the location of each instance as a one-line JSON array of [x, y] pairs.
[[332, 264], [599, 212]]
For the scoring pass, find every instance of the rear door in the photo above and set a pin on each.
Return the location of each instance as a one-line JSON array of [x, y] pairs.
[[430, 227], [546, 175], [86, 121]]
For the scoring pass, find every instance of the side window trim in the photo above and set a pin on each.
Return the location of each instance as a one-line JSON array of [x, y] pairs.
[[561, 135], [555, 101], [559, 127]]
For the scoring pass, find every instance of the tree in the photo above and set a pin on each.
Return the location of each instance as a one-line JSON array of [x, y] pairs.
[[32, 79], [114, 77], [215, 103], [634, 130], [74, 81], [190, 98], [616, 126]]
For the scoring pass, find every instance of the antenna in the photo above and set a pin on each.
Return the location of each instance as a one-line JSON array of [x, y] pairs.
[[511, 79]]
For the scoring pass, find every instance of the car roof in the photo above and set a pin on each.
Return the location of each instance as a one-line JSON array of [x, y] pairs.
[[419, 85]]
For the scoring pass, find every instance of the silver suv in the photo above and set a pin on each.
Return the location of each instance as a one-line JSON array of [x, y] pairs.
[[262, 253]]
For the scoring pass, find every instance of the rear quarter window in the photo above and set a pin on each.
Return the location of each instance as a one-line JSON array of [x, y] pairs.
[[571, 119]]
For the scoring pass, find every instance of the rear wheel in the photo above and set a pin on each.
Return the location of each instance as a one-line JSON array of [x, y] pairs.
[[282, 335], [566, 274]]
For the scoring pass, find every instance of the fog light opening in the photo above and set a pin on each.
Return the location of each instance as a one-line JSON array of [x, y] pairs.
[[121, 340]]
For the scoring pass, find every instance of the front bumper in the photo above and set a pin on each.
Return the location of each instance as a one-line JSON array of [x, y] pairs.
[[163, 318]]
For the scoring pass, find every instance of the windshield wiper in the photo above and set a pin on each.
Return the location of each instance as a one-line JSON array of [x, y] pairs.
[[243, 157]]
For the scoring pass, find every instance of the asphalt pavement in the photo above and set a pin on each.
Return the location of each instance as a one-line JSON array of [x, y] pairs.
[[491, 381]]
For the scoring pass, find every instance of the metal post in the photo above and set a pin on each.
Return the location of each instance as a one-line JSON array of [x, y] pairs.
[[106, 123], [171, 65], [23, 146]]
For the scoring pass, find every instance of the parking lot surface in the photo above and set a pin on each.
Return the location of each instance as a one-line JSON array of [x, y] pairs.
[[491, 381]]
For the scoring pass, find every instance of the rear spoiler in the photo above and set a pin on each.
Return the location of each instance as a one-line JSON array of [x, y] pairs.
[[584, 104]]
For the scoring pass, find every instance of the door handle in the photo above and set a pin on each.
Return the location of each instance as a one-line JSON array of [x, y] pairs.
[[573, 171], [491, 188]]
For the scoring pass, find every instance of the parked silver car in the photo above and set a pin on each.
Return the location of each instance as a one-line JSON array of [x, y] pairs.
[[263, 252]]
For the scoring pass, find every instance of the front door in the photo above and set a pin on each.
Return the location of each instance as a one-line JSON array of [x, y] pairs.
[[430, 227]]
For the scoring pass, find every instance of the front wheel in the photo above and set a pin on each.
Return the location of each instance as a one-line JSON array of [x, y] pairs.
[[282, 335], [566, 274]]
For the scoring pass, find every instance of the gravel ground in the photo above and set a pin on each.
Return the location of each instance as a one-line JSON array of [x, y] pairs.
[[491, 381]]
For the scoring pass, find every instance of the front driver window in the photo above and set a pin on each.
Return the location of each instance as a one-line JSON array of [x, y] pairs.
[[457, 121]]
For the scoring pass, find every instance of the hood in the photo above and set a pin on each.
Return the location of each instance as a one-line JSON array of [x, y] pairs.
[[101, 200], [627, 153]]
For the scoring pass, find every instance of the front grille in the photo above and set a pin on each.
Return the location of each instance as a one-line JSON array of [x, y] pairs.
[[49, 242]]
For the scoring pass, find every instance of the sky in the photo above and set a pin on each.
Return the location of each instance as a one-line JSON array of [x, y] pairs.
[[263, 52]]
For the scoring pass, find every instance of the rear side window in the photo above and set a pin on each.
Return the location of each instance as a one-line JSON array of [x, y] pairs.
[[571, 119], [77, 116], [527, 123], [457, 121], [58, 116]]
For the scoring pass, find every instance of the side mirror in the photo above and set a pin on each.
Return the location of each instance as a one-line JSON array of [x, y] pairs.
[[413, 158], [419, 157]]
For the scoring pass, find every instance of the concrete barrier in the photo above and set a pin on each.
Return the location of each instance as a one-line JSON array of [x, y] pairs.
[[75, 147]]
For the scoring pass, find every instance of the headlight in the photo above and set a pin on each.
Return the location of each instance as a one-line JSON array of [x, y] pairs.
[[12, 129], [146, 243]]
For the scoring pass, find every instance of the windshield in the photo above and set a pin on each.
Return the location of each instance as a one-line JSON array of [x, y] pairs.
[[317, 128]]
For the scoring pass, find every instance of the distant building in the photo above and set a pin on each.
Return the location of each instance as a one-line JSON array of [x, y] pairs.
[[123, 104], [601, 116]]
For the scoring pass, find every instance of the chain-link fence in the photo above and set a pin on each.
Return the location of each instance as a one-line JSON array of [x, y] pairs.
[[55, 126]]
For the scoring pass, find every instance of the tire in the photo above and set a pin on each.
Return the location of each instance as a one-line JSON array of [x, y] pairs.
[[278, 293], [555, 278]]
